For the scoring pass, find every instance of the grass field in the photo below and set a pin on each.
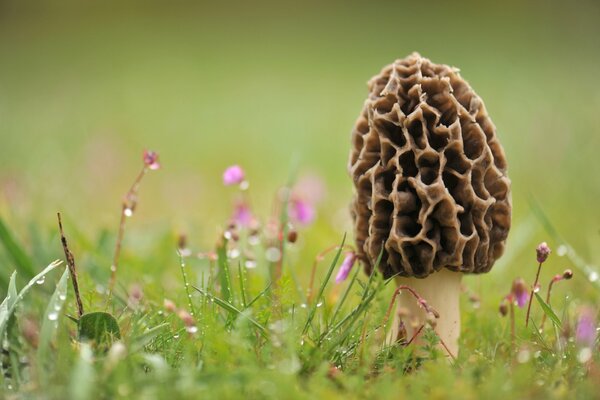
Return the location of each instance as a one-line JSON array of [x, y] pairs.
[[276, 88]]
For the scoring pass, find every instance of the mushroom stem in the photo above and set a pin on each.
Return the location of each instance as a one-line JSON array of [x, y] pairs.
[[441, 290]]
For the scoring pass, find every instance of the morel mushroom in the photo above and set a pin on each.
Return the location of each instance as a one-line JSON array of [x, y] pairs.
[[432, 193]]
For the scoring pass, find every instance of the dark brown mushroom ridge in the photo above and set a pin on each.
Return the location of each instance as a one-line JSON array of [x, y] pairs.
[[429, 172]]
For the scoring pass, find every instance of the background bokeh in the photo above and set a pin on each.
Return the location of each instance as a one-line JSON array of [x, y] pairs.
[[86, 86]]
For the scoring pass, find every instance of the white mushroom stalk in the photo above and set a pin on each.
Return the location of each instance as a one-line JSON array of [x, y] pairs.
[[437, 305]]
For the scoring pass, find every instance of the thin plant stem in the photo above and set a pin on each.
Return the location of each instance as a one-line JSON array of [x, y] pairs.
[[422, 302], [72, 269], [547, 302], [127, 207], [512, 326], [537, 277]]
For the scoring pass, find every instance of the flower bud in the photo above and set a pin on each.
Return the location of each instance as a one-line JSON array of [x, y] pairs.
[[503, 308], [542, 252], [568, 274]]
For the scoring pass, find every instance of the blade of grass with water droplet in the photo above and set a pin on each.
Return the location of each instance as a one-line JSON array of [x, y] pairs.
[[232, 310], [224, 278], [50, 321], [142, 340], [5, 316]]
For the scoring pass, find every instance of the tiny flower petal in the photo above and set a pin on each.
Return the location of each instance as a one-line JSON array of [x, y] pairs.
[[542, 252], [302, 211], [346, 267], [233, 175], [150, 159], [520, 292], [585, 334]]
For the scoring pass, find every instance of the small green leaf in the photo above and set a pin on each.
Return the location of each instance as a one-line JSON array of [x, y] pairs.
[[99, 327], [548, 311]]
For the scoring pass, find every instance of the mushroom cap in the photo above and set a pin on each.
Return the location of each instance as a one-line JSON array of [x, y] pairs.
[[429, 173]]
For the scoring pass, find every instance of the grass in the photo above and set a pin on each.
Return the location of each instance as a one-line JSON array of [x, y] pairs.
[[222, 331], [83, 87]]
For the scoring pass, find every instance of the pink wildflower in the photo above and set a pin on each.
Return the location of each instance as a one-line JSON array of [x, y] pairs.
[[242, 215], [301, 211], [233, 175], [585, 335], [346, 267], [520, 293]]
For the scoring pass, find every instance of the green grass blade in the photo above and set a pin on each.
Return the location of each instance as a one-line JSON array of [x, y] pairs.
[[345, 295], [23, 263], [313, 308], [224, 278], [142, 340], [232, 310], [548, 311], [50, 321], [242, 284], [261, 294], [5, 316], [83, 376]]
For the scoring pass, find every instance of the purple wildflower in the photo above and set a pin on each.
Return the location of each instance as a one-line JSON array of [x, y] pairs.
[[242, 215], [542, 252], [585, 335], [301, 211], [346, 267], [519, 292], [233, 175], [150, 159]]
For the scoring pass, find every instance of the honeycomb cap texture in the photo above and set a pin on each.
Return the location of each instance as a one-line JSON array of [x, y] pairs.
[[429, 172]]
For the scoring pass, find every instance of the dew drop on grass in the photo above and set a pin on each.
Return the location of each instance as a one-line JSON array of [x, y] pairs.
[[53, 316], [253, 240], [62, 297], [523, 356], [233, 253], [303, 305], [128, 212], [191, 329], [319, 304], [41, 280], [593, 276], [273, 254], [561, 251], [251, 264], [584, 355], [176, 336]]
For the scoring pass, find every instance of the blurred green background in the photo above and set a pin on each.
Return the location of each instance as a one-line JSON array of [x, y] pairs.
[[84, 88]]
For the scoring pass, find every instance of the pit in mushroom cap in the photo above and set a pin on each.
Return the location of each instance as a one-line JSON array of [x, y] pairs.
[[429, 172]]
